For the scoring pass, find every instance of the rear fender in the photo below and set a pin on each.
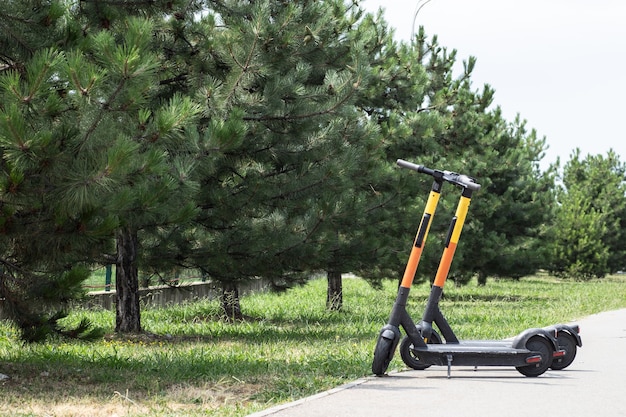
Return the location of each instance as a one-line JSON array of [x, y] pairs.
[[519, 342], [571, 329]]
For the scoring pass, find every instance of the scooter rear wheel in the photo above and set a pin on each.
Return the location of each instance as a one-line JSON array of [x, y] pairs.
[[383, 353], [545, 349], [566, 341], [410, 358]]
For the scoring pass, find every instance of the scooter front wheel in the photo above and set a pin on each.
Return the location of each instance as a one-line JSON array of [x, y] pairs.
[[383, 353], [408, 355]]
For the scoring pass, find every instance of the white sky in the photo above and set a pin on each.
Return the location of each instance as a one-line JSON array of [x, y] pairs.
[[559, 64]]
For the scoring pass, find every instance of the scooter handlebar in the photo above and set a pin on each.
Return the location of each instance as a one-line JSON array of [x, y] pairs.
[[451, 177], [419, 168]]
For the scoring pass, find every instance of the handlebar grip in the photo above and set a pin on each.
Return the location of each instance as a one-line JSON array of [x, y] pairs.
[[419, 168], [451, 177]]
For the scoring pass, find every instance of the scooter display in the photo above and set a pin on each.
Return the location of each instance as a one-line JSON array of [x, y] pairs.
[[532, 352]]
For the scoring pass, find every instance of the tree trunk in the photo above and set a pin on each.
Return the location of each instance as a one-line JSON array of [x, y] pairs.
[[127, 314], [230, 301], [334, 294], [482, 279]]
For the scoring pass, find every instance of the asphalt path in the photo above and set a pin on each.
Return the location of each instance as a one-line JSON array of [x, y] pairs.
[[595, 384]]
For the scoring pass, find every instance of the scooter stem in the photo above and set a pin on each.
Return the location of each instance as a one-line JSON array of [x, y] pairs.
[[454, 233], [422, 234], [452, 240]]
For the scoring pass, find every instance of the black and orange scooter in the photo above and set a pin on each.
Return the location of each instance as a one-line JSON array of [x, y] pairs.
[[532, 352]]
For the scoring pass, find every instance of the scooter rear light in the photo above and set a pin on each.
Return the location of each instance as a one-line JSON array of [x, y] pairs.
[[533, 359], [558, 353]]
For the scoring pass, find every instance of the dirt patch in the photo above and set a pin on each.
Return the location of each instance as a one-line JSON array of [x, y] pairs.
[[60, 400], [212, 394], [80, 409]]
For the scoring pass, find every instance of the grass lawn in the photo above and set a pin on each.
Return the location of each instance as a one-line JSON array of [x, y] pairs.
[[190, 364]]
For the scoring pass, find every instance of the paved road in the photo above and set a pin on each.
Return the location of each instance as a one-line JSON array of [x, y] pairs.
[[595, 384]]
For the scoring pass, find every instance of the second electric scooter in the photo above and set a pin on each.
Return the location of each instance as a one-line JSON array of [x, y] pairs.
[[532, 352]]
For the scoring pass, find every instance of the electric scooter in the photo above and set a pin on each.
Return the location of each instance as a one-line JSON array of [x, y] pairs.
[[532, 352]]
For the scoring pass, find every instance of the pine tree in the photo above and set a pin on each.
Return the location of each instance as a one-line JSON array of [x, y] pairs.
[[437, 119], [47, 243], [586, 238], [292, 72], [98, 144], [146, 128], [410, 100], [349, 211]]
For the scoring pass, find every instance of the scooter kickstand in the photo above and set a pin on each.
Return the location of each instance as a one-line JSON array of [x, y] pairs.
[[449, 356]]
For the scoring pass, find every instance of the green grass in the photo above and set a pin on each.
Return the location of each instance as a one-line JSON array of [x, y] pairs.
[[289, 347]]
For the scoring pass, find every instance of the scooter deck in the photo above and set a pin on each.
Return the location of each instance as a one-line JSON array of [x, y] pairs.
[[479, 354]]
